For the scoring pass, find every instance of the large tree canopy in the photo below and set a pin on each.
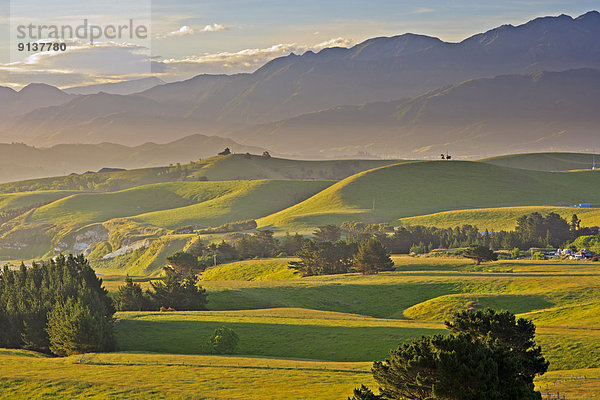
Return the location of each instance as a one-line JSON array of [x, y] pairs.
[[488, 356]]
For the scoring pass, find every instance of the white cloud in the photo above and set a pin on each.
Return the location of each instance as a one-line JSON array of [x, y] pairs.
[[423, 10], [214, 28], [184, 30], [83, 64]]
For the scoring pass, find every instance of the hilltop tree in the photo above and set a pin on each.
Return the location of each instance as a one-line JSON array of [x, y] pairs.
[[372, 257], [480, 254], [327, 233]]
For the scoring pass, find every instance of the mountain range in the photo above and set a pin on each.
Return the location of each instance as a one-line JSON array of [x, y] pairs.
[[404, 96]]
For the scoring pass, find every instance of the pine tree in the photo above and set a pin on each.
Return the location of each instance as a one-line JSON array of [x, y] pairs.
[[372, 257]]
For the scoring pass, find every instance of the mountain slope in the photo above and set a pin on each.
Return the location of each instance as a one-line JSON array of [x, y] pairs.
[[123, 88], [509, 113], [416, 188]]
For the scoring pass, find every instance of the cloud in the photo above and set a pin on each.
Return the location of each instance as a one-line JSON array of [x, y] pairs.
[[82, 64], [214, 28], [247, 60], [423, 10], [184, 30]]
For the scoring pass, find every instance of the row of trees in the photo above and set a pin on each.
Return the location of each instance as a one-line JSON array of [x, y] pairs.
[[533, 230], [489, 355], [56, 307]]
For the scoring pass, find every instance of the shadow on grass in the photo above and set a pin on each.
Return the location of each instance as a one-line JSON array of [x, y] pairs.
[[331, 343]]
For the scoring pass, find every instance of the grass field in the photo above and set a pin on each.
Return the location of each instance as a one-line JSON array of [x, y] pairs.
[[418, 188], [252, 270], [125, 376], [315, 337]]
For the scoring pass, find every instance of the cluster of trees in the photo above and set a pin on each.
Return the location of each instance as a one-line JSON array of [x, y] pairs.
[[489, 355], [238, 246], [56, 307], [173, 291], [326, 257], [533, 230]]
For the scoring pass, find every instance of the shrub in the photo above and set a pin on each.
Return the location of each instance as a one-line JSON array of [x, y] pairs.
[[224, 341]]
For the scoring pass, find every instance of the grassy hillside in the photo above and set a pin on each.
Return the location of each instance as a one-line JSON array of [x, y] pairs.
[[502, 218], [27, 199], [252, 270], [245, 200], [232, 167], [416, 188], [108, 221], [546, 161]]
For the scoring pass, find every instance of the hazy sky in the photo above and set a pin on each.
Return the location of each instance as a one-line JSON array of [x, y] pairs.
[[192, 37]]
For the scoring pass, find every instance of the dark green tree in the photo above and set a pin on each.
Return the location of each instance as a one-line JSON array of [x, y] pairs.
[[75, 327], [32, 300], [502, 327], [324, 258], [487, 356], [183, 262], [372, 257], [479, 254], [131, 297], [182, 294], [224, 341]]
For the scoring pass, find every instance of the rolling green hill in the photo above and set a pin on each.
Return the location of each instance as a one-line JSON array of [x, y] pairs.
[[102, 223], [219, 168], [416, 188], [546, 161]]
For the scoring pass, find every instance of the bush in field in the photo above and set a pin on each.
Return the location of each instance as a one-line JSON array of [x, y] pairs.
[[57, 307], [480, 254], [224, 341]]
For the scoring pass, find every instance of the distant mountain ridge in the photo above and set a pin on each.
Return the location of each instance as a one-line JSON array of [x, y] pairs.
[[122, 88], [19, 161], [377, 70], [549, 111]]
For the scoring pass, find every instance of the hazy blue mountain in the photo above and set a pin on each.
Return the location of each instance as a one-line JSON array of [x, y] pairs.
[[123, 88], [544, 111]]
